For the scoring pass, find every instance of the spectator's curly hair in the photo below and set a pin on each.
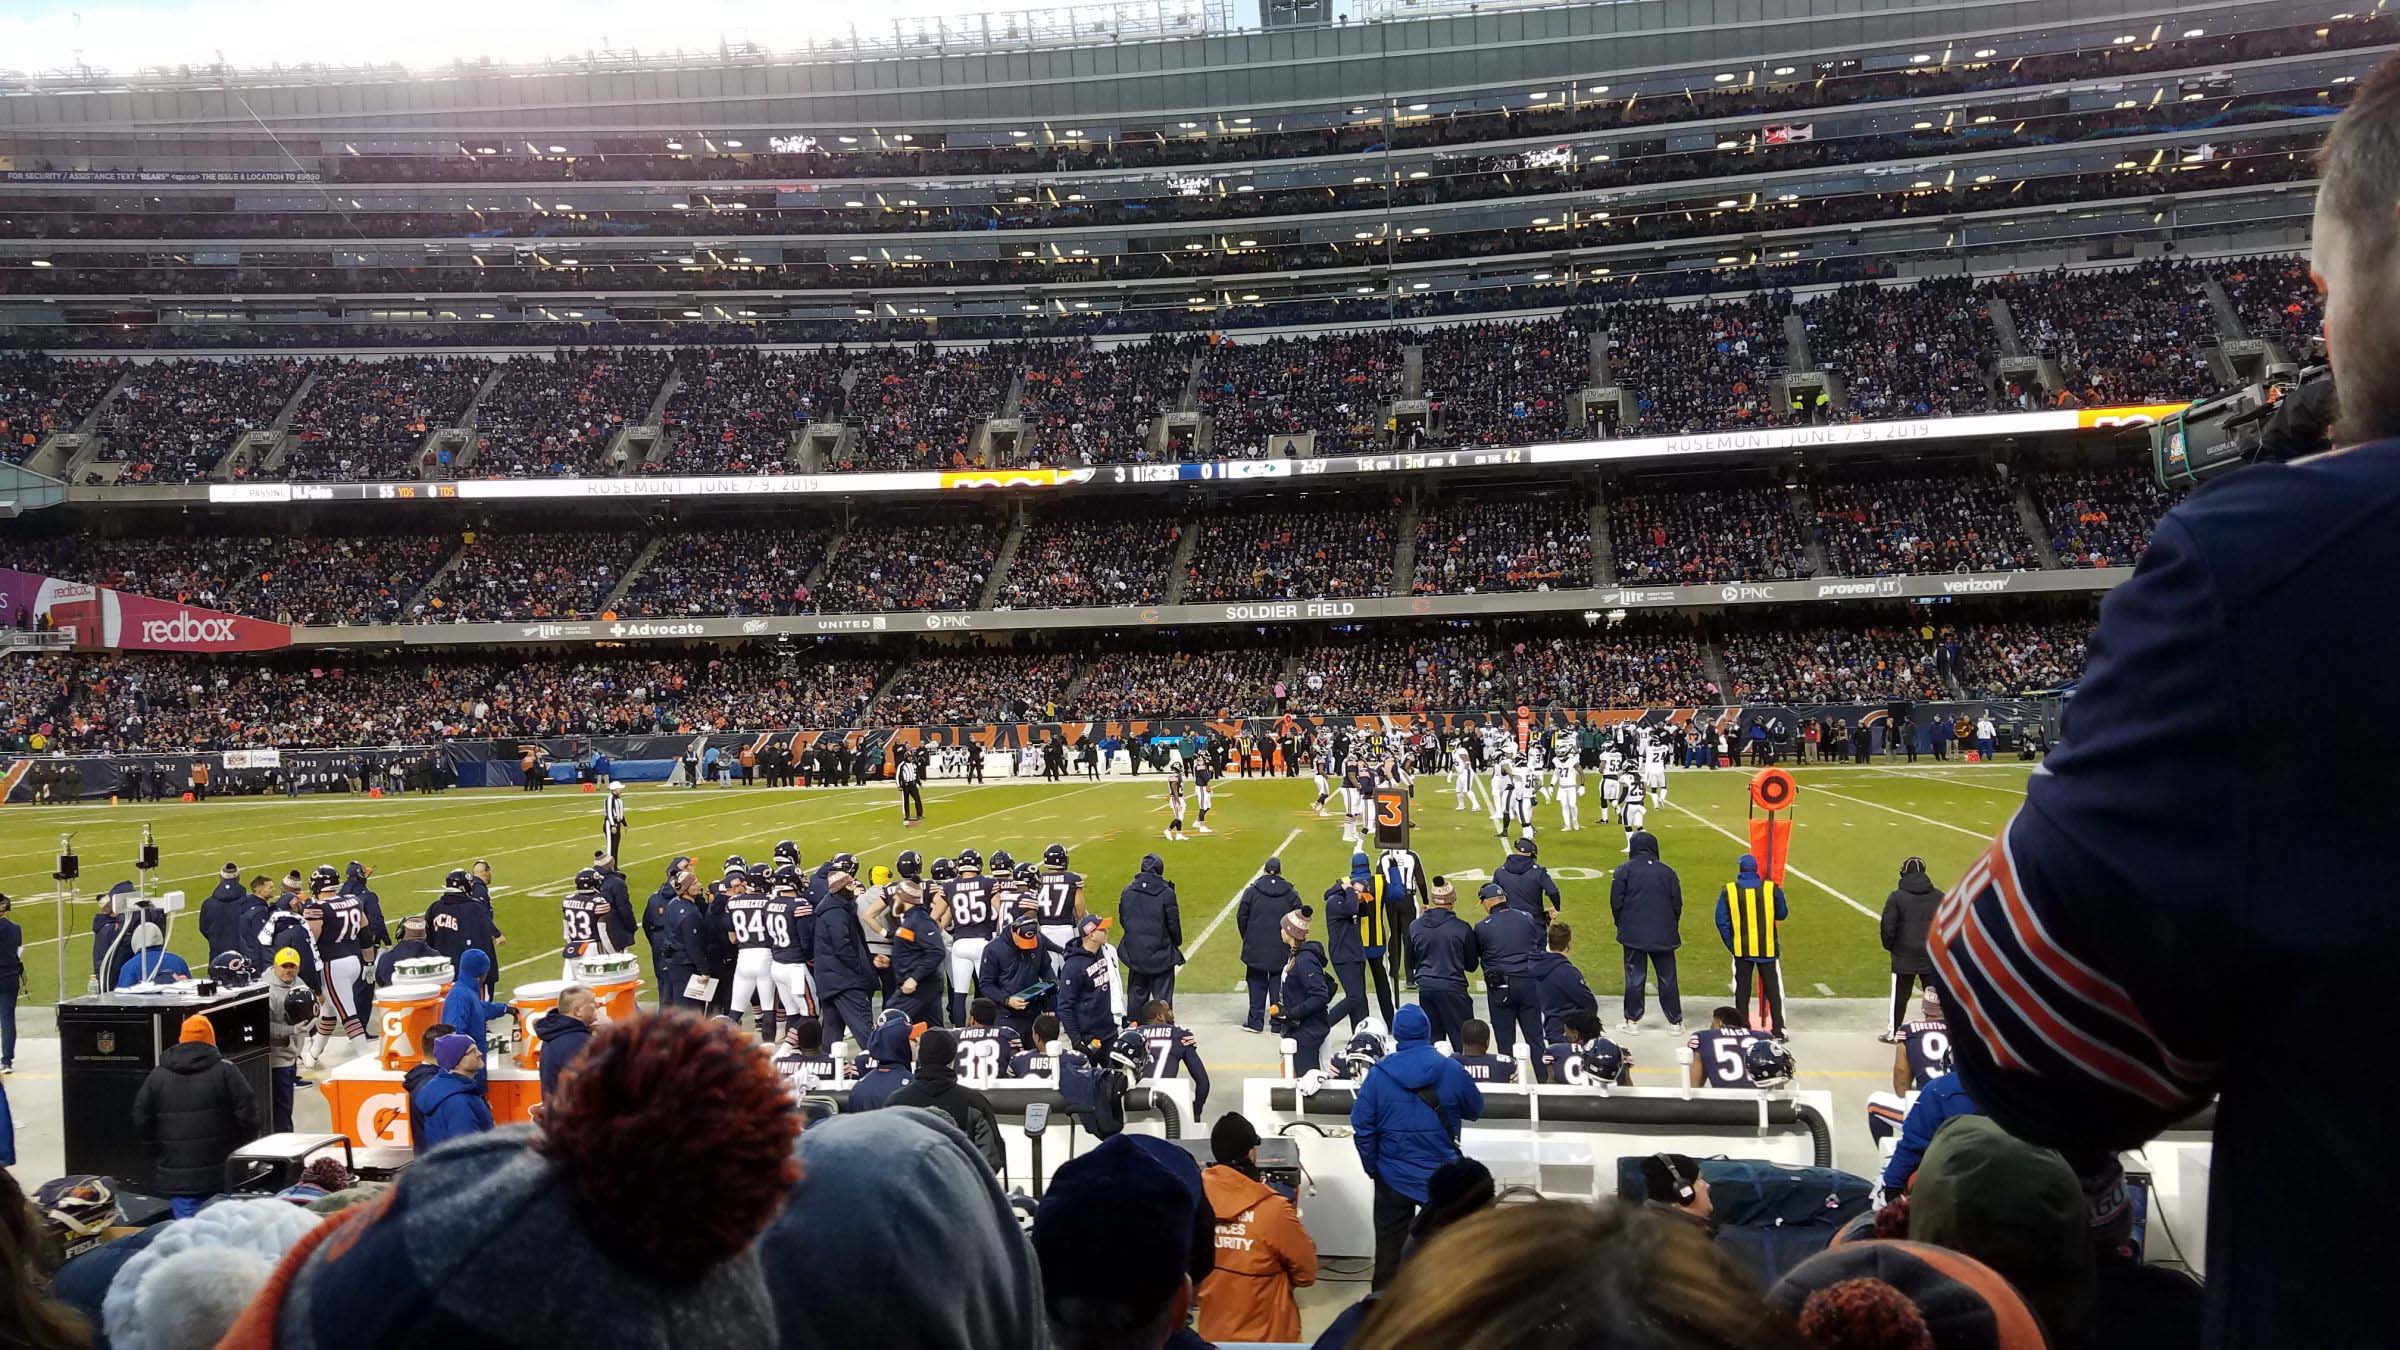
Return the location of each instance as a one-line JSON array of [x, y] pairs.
[[662, 1108]]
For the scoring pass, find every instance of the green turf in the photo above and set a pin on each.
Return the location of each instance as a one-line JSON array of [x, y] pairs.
[[1854, 827]]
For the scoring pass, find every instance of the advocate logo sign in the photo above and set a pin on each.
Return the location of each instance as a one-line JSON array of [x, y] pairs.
[[650, 630]]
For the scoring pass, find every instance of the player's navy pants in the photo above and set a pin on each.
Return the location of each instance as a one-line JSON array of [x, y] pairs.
[[1447, 1007], [1637, 970]]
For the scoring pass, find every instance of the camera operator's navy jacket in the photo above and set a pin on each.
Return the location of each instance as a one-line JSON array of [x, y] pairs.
[[843, 962], [2191, 899], [1530, 890], [1083, 1007]]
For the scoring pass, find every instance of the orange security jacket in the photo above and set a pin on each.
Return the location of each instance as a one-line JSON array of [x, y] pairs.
[[1262, 1255]]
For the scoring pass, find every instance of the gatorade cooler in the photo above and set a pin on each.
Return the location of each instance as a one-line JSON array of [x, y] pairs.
[[616, 978], [434, 970], [403, 1011], [532, 1001]]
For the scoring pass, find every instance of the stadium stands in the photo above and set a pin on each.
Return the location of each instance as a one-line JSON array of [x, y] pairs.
[[737, 409], [1335, 385], [172, 421], [2129, 336], [1084, 405], [1828, 664], [1960, 521], [2276, 300], [1249, 552], [2100, 519], [730, 569], [368, 419], [2021, 658], [1517, 541], [1197, 675], [911, 565], [1701, 367], [918, 408], [941, 689], [1926, 350], [1693, 535], [40, 396], [1091, 558], [529, 576], [557, 415], [1506, 383]]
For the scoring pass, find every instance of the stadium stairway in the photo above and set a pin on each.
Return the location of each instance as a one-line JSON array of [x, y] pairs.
[[1604, 550], [2004, 323], [1187, 536], [833, 550], [51, 457], [2030, 516], [1712, 661], [1004, 559], [641, 563], [1404, 549], [1795, 342], [264, 449], [2229, 319], [410, 609], [1803, 501]]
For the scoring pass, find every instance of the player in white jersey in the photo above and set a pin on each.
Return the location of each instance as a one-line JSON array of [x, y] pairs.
[[1612, 787], [1324, 775], [1352, 799], [1462, 776], [1635, 813], [1503, 776], [1567, 780], [1654, 772]]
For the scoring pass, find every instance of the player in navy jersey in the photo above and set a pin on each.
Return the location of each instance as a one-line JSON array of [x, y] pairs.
[[1587, 1058], [1172, 1048], [973, 905], [743, 919], [791, 926], [1366, 1048], [1476, 1057], [1058, 895], [1175, 804], [338, 922], [1924, 1049], [1719, 1053], [987, 1048]]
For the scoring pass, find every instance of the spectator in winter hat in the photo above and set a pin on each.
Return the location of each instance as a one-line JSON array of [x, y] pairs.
[[473, 1239], [1877, 1295], [1124, 1238]]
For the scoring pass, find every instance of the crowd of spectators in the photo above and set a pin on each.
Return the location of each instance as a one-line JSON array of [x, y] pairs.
[[1832, 664], [1338, 385], [733, 568], [40, 396], [211, 573], [1185, 679], [1702, 367], [969, 687], [1693, 536], [1513, 541], [1086, 405], [908, 565], [1506, 383], [2001, 659], [1963, 521], [738, 408], [505, 577], [1463, 666], [2276, 299], [1090, 558], [552, 416], [2099, 518], [918, 407], [1924, 350], [172, 421], [2121, 336], [1246, 552], [369, 419], [342, 579]]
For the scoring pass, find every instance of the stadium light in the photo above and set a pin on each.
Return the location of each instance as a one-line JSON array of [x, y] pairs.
[[42, 262]]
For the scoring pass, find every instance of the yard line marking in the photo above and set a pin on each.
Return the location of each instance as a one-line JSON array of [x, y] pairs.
[[1984, 835], [1787, 867], [1825, 989], [551, 955], [1193, 952], [1947, 776]]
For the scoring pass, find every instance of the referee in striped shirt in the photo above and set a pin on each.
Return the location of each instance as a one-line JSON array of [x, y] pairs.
[[1748, 913]]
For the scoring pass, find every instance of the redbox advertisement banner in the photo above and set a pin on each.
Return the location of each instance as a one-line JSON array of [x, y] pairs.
[[100, 617]]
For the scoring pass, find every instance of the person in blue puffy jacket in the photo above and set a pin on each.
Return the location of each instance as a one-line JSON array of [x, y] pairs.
[[1402, 1140]]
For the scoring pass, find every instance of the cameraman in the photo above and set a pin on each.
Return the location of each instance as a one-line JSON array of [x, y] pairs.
[[291, 1011], [2189, 895]]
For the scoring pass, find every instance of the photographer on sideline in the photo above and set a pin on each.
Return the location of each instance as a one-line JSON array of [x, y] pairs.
[[2118, 957]]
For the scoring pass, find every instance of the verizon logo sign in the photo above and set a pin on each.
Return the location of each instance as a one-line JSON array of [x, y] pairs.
[[187, 629]]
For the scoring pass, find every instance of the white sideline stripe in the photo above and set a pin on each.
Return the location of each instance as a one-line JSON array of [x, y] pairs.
[[1787, 867], [1214, 924], [1984, 835], [1950, 775]]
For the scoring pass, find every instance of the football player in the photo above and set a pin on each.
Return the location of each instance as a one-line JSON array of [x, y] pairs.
[[1462, 776], [1612, 786], [1058, 893], [791, 925], [986, 1046], [1718, 1055], [583, 922], [338, 922], [1476, 1057], [1566, 777], [1173, 1048], [974, 917], [1654, 771], [804, 1063], [1045, 1058], [1587, 1058], [1503, 776], [1324, 777], [1632, 812], [1203, 794], [1924, 1047], [1175, 804], [742, 923]]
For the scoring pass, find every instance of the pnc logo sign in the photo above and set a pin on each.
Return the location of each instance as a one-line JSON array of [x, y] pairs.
[[187, 627]]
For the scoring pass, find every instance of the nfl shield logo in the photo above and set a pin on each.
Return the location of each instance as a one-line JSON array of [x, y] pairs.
[[107, 1041]]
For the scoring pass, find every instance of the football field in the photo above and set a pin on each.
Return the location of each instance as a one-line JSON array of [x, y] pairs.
[[1853, 825]]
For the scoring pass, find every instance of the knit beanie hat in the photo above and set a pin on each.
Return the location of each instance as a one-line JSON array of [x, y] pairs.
[[449, 1050], [1904, 1296], [2016, 1208], [1295, 925], [583, 1233], [197, 1027], [1233, 1138]]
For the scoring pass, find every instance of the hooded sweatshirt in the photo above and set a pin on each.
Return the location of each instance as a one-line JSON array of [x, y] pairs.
[[451, 1108], [1401, 1140], [1907, 918], [562, 1038], [1152, 924], [968, 1280], [464, 1006], [1258, 917], [888, 1045], [1529, 888], [1755, 942], [1262, 1255], [1645, 897], [936, 1088]]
